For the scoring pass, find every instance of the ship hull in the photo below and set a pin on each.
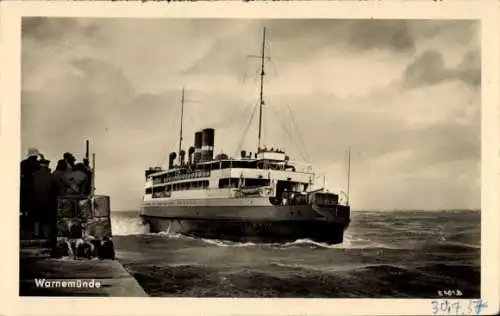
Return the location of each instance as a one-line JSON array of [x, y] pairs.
[[287, 225]]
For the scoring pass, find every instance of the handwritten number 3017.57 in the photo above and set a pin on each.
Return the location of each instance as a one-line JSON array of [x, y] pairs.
[[456, 307]]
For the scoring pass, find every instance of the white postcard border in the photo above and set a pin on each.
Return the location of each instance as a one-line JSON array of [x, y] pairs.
[[11, 14]]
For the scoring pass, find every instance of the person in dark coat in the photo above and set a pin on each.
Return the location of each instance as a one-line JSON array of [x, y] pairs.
[[28, 168], [88, 172], [43, 211], [60, 179], [78, 177]]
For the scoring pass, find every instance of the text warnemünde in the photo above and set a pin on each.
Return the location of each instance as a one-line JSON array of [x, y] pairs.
[[67, 283]]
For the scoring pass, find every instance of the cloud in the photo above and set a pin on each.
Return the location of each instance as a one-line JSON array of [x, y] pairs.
[[469, 69], [51, 30], [404, 95], [301, 40], [429, 68], [353, 35]]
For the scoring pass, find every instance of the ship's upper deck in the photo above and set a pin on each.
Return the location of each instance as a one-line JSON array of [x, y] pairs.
[[263, 160]]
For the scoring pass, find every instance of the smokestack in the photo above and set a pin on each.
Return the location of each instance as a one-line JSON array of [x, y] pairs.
[[171, 159], [182, 155], [190, 154], [243, 154], [207, 144], [197, 146]]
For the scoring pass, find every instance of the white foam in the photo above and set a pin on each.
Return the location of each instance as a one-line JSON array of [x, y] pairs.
[[124, 226]]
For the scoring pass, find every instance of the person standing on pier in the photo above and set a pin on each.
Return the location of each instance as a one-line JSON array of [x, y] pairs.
[[78, 177], [60, 179], [29, 166], [43, 195], [88, 172], [70, 160]]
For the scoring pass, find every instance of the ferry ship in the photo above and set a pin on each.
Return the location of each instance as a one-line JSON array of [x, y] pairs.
[[261, 197]]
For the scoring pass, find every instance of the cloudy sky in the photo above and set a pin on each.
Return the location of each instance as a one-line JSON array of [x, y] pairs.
[[404, 95]]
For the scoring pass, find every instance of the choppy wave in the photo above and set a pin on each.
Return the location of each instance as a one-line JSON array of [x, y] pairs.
[[132, 226], [384, 255], [281, 280], [127, 225]]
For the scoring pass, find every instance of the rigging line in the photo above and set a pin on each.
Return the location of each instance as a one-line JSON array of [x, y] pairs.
[[192, 122], [165, 151], [271, 61], [304, 148], [245, 74], [246, 129], [233, 116], [190, 119], [274, 69], [256, 77], [288, 132], [299, 136], [298, 131], [273, 66]]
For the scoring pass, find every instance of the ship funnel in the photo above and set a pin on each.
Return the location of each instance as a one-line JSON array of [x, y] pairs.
[[182, 156], [190, 154], [207, 144], [243, 154], [197, 146], [171, 159]]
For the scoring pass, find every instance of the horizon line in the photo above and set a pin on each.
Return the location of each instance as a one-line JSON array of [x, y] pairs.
[[374, 210]]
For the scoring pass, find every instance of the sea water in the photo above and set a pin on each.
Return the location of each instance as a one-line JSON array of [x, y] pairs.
[[385, 254]]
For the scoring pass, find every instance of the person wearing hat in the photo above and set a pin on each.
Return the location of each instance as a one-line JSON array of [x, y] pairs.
[[70, 160], [31, 163], [29, 167]]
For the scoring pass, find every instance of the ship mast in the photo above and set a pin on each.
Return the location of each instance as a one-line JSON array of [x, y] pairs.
[[261, 98], [180, 132], [348, 173]]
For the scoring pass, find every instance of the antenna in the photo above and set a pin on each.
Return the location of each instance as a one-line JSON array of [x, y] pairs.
[[92, 190], [182, 119], [261, 98], [87, 149], [348, 173]]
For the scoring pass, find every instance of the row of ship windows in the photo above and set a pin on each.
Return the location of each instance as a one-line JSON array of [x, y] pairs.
[[170, 178], [184, 174], [204, 184], [193, 185]]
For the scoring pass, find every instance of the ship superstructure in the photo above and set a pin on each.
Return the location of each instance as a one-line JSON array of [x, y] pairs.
[[260, 196]]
